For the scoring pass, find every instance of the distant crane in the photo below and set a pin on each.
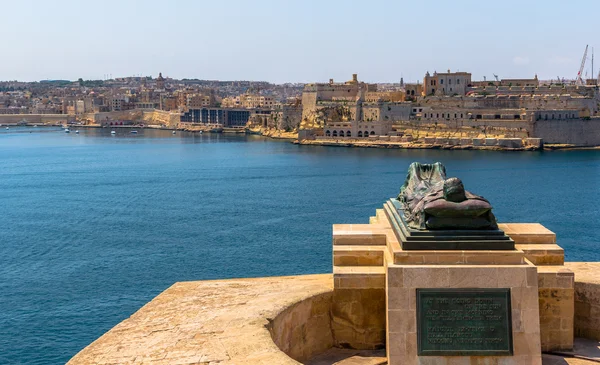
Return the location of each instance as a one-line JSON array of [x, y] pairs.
[[579, 80], [496, 77]]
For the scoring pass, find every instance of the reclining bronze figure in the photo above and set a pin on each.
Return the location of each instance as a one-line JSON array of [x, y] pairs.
[[433, 202]]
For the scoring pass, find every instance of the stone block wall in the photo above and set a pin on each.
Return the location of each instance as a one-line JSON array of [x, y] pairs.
[[587, 299], [403, 280], [556, 308], [579, 132]]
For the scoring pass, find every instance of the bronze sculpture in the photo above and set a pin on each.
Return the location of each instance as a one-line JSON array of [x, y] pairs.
[[433, 202]]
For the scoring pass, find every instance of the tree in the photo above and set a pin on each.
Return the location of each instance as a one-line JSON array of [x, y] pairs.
[[80, 81]]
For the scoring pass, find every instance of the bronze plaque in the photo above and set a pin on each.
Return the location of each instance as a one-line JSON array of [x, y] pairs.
[[464, 322]]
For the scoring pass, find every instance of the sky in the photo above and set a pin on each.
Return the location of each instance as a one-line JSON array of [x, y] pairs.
[[296, 41]]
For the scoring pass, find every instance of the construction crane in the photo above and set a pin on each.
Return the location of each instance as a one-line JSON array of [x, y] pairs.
[[496, 77], [579, 80]]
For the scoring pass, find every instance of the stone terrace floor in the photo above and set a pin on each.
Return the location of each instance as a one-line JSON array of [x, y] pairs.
[[223, 322]]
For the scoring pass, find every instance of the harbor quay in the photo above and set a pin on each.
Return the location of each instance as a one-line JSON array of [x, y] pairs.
[[432, 278]]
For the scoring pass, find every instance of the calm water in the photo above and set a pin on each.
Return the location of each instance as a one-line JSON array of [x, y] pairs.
[[93, 226]]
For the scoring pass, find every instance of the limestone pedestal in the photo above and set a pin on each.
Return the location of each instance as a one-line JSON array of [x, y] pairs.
[[376, 282], [404, 280]]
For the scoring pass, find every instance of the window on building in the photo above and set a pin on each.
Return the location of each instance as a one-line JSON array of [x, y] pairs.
[[450, 81], [457, 81], [442, 82]]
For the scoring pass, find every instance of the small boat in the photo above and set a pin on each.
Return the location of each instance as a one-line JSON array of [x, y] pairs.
[[133, 132], [77, 131], [173, 132], [35, 126], [201, 132], [113, 132], [67, 130], [7, 128]]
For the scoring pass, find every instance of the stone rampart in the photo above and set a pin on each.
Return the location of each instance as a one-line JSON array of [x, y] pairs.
[[578, 132], [35, 118], [148, 116]]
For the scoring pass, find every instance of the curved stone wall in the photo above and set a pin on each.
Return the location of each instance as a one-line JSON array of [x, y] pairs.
[[587, 299], [303, 330]]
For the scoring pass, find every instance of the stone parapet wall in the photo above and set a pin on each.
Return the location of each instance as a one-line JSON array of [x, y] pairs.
[[303, 330], [587, 299]]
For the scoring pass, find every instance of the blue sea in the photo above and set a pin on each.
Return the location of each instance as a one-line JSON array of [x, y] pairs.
[[93, 226]]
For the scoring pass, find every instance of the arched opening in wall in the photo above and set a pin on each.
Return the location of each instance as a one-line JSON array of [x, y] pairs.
[[327, 133], [348, 134], [334, 134], [372, 133], [546, 117], [360, 133]]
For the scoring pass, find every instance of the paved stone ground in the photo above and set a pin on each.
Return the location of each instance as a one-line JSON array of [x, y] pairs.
[[205, 322], [223, 322]]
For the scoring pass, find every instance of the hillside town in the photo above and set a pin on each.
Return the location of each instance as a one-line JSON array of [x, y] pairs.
[[444, 109]]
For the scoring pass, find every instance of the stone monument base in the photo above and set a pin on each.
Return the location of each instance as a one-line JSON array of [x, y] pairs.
[[369, 258]]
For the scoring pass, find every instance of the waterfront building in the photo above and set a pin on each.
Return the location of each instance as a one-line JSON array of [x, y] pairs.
[[235, 118], [448, 83], [351, 109]]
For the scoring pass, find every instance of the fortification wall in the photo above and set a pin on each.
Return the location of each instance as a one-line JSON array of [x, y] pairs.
[[148, 116], [588, 106], [34, 118], [578, 132]]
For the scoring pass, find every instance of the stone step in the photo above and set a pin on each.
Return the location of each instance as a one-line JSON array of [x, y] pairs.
[[528, 233], [358, 255], [338, 356], [359, 277], [381, 217], [543, 254], [358, 234]]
